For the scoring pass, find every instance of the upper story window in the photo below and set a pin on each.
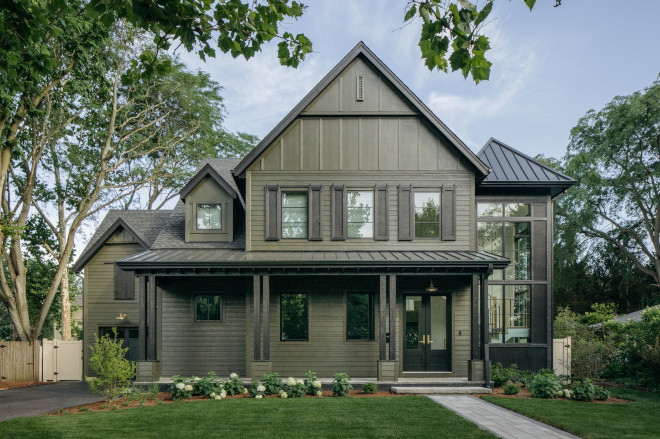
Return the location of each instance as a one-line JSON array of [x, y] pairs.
[[209, 217], [360, 214], [427, 214], [294, 215]]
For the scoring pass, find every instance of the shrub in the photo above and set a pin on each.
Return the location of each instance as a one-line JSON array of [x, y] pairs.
[[312, 382], [568, 324], [369, 388], [208, 385], [511, 389], [113, 371], [545, 384], [181, 389], [341, 385], [602, 393], [583, 390], [234, 386], [502, 375], [258, 390], [272, 383], [296, 389], [590, 358]]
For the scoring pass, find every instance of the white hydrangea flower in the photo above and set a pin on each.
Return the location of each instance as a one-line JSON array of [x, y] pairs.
[[284, 395], [261, 388], [233, 376], [223, 394], [245, 391], [319, 393], [189, 388], [258, 397], [212, 395], [180, 386], [291, 381], [316, 384], [300, 382], [217, 397]]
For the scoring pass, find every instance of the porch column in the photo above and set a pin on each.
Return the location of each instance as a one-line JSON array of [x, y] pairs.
[[485, 330], [151, 318], [257, 322], [142, 309], [393, 317], [266, 317], [474, 311], [382, 318]]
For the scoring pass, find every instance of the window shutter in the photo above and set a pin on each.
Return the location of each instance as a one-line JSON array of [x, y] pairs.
[[314, 206], [381, 215], [273, 213], [124, 284], [406, 213], [338, 206], [129, 282], [448, 217]]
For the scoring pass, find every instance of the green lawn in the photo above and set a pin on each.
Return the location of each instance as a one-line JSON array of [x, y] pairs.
[[638, 419], [403, 417]]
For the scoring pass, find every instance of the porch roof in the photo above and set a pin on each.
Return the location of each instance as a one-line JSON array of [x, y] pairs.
[[294, 261]]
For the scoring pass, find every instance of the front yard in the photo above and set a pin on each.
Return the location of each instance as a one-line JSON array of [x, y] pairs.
[[339, 418], [638, 419]]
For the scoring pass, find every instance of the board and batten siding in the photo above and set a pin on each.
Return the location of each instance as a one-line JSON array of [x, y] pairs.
[[100, 309], [195, 348]]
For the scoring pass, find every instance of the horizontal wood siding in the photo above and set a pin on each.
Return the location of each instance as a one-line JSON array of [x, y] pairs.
[[195, 348]]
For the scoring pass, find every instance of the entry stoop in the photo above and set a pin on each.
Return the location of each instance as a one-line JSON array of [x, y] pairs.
[[442, 390]]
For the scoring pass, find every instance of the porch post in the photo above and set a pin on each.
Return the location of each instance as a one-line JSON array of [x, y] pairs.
[[266, 317], [382, 318], [393, 317], [255, 318], [474, 311], [151, 318], [485, 330], [142, 306]]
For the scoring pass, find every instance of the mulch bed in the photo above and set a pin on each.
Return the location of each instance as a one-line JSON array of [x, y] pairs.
[[166, 398], [525, 394], [6, 385]]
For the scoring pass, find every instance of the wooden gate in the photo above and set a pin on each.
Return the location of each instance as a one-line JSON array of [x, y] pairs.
[[20, 361], [561, 356], [62, 360]]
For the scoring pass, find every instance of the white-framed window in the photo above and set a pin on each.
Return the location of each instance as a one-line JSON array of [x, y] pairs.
[[294, 215], [209, 216], [360, 214]]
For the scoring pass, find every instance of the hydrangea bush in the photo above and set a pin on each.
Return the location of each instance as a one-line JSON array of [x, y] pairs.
[[181, 388], [341, 385], [234, 386], [296, 389]]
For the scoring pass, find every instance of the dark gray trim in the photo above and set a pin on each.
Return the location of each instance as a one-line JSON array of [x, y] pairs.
[[151, 318], [207, 171], [256, 302], [142, 307], [361, 50], [393, 317], [273, 212], [382, 316], [266, 317], [338, 214], [92, 251], [474, 319]]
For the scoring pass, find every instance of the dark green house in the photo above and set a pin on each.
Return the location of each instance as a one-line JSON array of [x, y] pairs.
[[360, 236]]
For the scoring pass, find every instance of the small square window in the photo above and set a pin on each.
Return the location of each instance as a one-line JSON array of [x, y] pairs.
[[208, 308], [209, 217]]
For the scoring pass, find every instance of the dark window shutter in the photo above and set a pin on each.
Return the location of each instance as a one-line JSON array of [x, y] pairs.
[[406, 213], [124, 284], [273, 213], [448, 217], [129, 282], [338, 206], [381, 216], [315, 210]]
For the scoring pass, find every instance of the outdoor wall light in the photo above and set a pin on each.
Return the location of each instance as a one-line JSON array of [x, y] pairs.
[[431, 288], [122, 316]]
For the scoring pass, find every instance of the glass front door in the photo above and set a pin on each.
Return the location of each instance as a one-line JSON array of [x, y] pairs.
[[426, 337]]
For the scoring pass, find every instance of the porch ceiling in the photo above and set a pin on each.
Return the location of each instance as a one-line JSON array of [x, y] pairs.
[[227, 260]]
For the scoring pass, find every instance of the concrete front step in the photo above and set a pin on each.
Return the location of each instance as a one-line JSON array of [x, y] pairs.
[[445, 390]]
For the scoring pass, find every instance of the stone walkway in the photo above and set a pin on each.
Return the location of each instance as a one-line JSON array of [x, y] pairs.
[[499, 421]]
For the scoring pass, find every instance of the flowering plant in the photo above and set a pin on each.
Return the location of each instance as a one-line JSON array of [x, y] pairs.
[[181, 388], [296, 389], [257, 390], [273, 383], [234, 386], [208, 385]]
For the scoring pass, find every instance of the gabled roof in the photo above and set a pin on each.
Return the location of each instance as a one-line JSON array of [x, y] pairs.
[[143, 225], [511, 167], [220, 171], [361, 50]]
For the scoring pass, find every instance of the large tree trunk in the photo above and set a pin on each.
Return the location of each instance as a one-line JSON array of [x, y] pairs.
[[66, 307]]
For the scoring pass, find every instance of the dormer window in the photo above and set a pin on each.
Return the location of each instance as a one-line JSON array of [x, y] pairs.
[[209, 217]]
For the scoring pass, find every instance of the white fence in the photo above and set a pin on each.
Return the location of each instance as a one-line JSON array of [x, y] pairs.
[[50, 360], [561, 356]]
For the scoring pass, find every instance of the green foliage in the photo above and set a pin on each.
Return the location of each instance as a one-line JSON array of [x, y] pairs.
[[501, 375], [341, 385], [369, 388], [602, 393], [312, 382], [234, 386], [296, 390], [545, 384], [601, 313], [583, 391], [181, 388], [208, 385], [113, 371], [590, 358], [272, 383], [569, 324], [511, 389]]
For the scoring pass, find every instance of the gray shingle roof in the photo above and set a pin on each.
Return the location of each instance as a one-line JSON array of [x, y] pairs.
[[219, 169]]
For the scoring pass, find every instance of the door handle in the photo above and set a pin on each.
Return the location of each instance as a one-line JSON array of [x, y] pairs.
[[423, 339], [429, 341]]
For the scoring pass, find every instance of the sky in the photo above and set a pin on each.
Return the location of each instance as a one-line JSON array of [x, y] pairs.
[[550, 66]]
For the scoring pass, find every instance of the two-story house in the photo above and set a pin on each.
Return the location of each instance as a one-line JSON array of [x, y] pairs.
[[360, 236]]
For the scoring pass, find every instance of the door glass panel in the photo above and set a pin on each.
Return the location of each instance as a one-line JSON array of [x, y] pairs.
[[414, 329], [438, 322]]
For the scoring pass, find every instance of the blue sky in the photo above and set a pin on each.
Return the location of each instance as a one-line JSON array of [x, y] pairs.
[[550, 66]]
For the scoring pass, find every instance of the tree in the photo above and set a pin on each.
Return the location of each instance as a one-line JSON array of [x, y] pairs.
[[615, 156]]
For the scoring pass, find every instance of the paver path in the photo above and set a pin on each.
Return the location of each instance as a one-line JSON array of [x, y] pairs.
[[500, 421], [33, 401]]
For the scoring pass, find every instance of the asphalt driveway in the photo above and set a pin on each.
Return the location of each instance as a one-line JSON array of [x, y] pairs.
[[34, 401]]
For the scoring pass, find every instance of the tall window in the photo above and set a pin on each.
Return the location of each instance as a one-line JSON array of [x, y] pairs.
[[294, 215], [208, 308], [509, 311], [359, 316], [209, 217], [427, 214], [360, 214], [294, 321]]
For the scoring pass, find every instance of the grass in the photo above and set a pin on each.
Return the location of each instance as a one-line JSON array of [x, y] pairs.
[[638, 419], [401, 417]]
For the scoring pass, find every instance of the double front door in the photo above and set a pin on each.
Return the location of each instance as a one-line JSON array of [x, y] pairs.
[[427, 341]]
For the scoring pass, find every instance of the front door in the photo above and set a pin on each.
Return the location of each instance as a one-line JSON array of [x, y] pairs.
[[129, 335], [426, 337]]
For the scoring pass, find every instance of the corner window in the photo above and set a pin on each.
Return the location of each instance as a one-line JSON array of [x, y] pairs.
[[360, 214], [427, 214], [208, 308], [209, 217], [503, 209], [294, 215], [359, 316], [508, 307], [294, 321]]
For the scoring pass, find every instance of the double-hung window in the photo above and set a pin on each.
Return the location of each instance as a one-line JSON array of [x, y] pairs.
[[427, 214], [294, 215], [360, 214]]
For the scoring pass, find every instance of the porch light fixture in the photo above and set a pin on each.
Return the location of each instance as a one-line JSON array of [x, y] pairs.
[[122, 316], [431, 288]]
